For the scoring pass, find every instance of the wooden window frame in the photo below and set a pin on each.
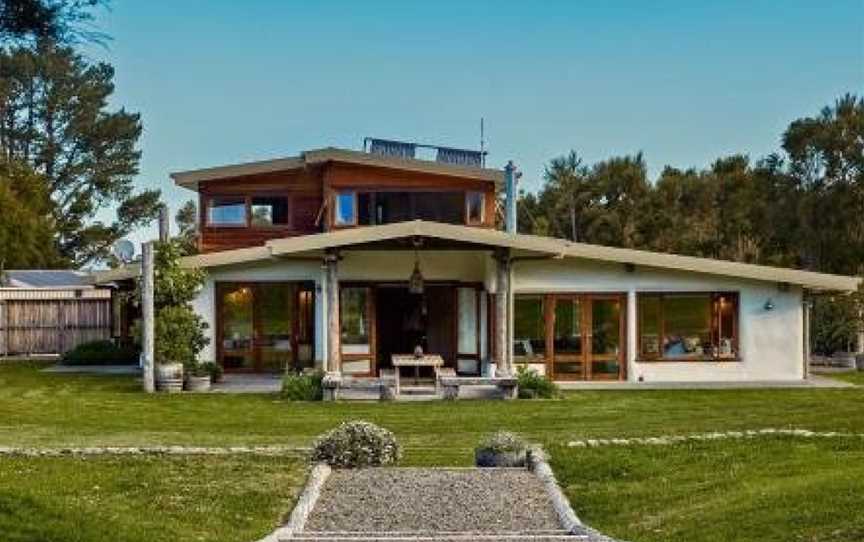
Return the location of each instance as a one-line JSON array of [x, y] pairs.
[[712, 318], [209, 205], [468, 221], [289, 223], [247, 203], [334, 197], [586, 357]]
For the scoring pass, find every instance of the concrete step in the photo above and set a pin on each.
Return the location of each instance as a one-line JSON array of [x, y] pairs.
[[434, 537]]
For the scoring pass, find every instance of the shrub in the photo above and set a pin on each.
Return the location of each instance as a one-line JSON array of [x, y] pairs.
[[214, 369], [532, 385], [502, 442], [356, 444], [101, 353], [303, 387], [501, 449]]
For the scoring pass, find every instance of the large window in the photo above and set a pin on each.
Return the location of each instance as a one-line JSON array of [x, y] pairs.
[[269, 211], [529, 329], [227, 211], [688, 326]]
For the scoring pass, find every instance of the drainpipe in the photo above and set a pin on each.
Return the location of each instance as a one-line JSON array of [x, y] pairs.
[[510, 178]]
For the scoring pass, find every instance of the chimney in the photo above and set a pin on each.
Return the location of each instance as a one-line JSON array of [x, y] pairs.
[[510, 177]]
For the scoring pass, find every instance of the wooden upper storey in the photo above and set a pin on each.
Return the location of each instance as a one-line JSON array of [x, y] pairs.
[[245, 207]]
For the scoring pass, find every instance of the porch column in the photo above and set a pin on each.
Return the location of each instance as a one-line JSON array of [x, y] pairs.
[[502, 313], [632, 339], [332, 363], [807, 304], [860, 347]]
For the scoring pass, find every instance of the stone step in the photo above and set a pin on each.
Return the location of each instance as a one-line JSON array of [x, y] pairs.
[[437, 537]]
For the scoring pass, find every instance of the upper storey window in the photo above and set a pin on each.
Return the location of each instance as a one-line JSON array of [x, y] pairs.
[[269, 211], [475, 205], [227, 211], [345, 208]]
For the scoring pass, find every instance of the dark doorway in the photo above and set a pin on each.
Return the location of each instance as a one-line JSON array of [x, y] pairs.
[[406, 320]]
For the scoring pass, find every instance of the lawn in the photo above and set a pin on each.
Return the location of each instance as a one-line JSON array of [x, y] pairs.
[[855, 377], [38, 409]]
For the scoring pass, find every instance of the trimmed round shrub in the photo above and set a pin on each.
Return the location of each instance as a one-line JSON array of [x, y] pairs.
[[356, 444], [501, 449]]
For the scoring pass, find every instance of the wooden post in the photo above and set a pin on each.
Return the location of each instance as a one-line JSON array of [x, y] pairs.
[[807, 305], [164, 224], [860, 348], [502, 304], [147, 317], [331, 264]]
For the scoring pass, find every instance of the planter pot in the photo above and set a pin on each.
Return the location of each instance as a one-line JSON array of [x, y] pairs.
[[198, 383], [169, 377], [488, 458], [859, 362]]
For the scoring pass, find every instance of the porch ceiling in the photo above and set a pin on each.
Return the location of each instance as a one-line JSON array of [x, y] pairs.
[[438, 235]]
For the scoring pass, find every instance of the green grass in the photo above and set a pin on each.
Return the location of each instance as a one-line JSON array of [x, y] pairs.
[[766, 489], [144, 498], [856, 377], [780, 489]]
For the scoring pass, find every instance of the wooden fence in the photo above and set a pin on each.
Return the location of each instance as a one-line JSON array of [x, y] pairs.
[[43, 321]]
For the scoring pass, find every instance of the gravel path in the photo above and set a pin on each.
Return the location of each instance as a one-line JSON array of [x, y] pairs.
[[433, 500]]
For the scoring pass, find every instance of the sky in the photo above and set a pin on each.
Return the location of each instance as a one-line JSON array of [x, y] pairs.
[[222, 81]]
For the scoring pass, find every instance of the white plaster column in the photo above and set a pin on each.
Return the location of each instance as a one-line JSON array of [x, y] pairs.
[[632, 331], [860, 348]]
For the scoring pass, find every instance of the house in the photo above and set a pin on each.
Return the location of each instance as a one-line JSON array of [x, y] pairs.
[[51, 311], [340, 259]]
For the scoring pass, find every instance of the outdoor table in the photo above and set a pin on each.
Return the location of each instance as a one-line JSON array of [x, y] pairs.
[[410, 360]]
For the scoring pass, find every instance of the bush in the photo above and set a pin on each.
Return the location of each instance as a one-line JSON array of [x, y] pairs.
[[101, 353], [502, 442], [356, 444], [214, 369], [532, 385], [303, 387], [501, 449]]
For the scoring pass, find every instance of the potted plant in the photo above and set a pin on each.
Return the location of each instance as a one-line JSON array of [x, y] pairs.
[[197, 377], [501, 449], [179, 332]]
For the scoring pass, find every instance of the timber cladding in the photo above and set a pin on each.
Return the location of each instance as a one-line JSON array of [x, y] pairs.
[[40, 321]]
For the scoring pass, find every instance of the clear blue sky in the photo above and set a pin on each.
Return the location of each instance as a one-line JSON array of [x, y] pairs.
[[221, 81]]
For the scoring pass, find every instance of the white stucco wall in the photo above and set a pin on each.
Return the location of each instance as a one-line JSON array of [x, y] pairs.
[[770, 342], [464, 266]]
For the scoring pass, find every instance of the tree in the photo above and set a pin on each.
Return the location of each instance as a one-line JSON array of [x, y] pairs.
[[187, 222], [62, 21], [54, 116], [26, 233]]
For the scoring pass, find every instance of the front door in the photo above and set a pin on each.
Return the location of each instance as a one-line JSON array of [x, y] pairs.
[[587, 336]]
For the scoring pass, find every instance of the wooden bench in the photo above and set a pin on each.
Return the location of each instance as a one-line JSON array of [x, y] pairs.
[[450, 385]]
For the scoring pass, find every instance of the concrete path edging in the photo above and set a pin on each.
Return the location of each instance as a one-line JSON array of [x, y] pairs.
[[665, 440], [305, 503], [26, 451], [570, 522]]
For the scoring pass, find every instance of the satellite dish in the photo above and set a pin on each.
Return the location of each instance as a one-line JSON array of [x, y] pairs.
[[124, 250]]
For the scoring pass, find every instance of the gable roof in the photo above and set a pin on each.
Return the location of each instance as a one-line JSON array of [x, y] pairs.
[[314, 245], [192, 178]]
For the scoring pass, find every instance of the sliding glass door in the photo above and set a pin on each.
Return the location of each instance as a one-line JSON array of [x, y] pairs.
[[265, 326]]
